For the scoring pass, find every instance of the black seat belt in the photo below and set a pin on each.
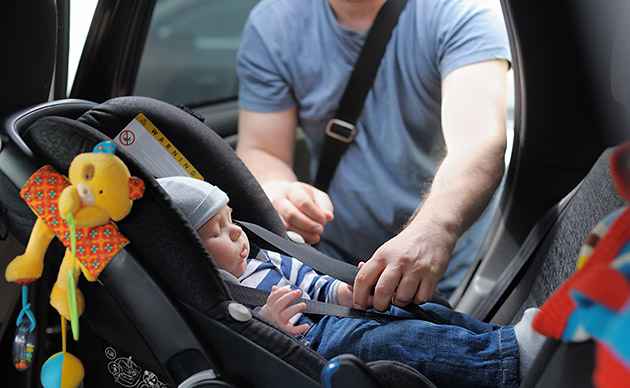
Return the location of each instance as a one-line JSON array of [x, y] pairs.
[[322, 263], [515, 269], [313, 258], [340, 131], [305, 253], [256, 297]]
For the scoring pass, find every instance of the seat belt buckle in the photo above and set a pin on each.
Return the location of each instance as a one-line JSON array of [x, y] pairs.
[[341, 130]]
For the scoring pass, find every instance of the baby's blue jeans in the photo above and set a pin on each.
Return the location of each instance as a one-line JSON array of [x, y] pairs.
[[459, 352]]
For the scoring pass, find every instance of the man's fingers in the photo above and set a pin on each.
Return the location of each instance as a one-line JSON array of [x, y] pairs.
[[324, 203], [385, 288], [295, 217], [298, 222], [407, 289], [425, 291], [303, 208], [363, 282], [303, 198]]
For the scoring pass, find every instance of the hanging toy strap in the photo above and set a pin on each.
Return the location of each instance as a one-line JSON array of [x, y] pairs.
[[26, 310], [72, 288], [64, 329], [25, 340]]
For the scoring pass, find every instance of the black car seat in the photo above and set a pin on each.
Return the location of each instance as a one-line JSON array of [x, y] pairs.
[[162, 301]]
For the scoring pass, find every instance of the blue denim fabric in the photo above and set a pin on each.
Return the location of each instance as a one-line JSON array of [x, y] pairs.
[[460, 352]]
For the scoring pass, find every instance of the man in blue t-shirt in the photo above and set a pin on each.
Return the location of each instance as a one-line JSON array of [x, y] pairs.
[[430, 143]]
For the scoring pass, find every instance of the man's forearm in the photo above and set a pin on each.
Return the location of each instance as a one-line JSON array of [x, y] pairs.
[[473, 122], [266, 167], [462, 188]]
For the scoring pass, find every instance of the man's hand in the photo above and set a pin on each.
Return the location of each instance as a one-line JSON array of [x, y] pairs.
[[266, 144], [345, 293], [405, 269], [303, 208], [278, 311]]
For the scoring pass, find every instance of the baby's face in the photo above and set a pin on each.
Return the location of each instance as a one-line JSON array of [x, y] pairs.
[[226, 242]]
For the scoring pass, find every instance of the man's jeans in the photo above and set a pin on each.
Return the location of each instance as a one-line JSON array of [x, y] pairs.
[[460, 352]]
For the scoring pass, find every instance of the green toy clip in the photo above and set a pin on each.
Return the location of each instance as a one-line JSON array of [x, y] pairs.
[[72, 288]]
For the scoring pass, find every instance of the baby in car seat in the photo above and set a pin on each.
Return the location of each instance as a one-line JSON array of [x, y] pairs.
[[459, 352]]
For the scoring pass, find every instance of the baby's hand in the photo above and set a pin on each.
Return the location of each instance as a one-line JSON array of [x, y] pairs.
[[344, 295], [278, 311]]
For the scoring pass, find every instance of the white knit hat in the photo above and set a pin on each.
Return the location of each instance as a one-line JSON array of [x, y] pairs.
[[197, 199]]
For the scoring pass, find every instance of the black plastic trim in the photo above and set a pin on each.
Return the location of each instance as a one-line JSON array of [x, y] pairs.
[[155, 315], [113, 49]]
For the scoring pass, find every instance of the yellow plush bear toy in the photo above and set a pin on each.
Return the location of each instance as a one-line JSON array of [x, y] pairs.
[[79, 210], [100, 189]]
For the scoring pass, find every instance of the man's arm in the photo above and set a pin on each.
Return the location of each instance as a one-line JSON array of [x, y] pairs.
[[266, 141], [265, 144], [408, 267]]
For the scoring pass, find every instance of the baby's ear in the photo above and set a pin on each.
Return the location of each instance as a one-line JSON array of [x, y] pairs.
[[136, 188]]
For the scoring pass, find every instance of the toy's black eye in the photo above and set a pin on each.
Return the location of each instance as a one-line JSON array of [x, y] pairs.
[[100, 192], [88, 172]]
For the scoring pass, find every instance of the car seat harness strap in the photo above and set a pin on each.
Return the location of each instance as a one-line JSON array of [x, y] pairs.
[[256, 297], [323, 264]]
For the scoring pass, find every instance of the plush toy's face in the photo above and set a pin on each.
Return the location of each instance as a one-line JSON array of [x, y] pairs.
[[102, 181]]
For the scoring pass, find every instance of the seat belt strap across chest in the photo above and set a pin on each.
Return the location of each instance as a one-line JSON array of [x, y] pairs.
[[341, 130]]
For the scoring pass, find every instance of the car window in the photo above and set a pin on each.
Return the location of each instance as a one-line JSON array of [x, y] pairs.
[[190, 52], [81, 13]]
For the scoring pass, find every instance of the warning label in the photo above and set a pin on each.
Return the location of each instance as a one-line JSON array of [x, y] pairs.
[[149, 145]]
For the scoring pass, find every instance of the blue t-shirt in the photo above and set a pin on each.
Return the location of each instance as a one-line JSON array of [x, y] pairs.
[[294, 53]]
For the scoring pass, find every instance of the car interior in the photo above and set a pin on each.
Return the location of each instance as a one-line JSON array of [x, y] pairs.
[[570, 62]]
